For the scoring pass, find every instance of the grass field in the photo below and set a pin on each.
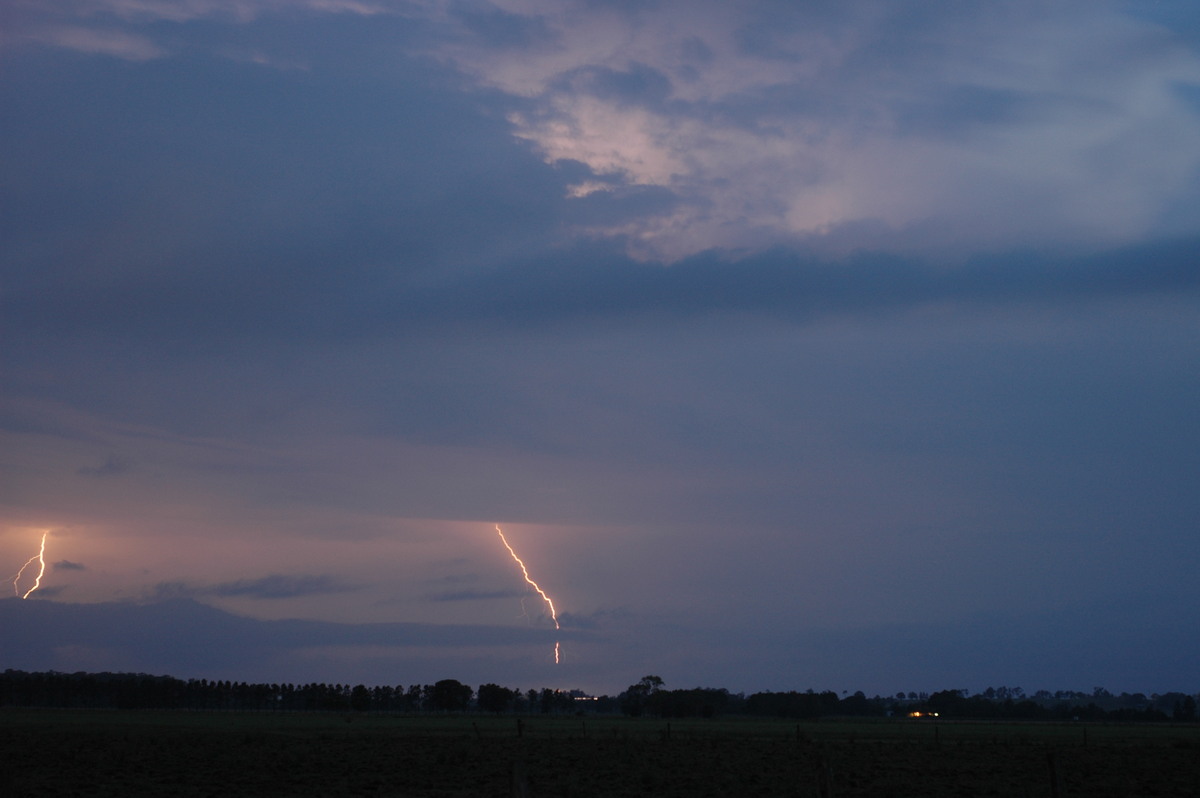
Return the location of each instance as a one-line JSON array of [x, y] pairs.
[[70, 752]]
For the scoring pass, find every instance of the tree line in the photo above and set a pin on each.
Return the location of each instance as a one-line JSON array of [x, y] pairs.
[[144, 691], [647, 697]]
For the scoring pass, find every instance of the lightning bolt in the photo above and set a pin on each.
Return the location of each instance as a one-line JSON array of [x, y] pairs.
[[534, 585], [41, 558]]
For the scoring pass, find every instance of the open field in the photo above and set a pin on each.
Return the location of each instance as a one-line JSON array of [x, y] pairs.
[[100, 753]]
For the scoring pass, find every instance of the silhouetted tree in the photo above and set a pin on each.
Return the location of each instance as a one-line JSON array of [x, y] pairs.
[[553, 701], [494, 698], [360, 698], [791, 704], [948, 702], [858, 704], [451, 695], [636, 699], [697, 702], [138, 691]]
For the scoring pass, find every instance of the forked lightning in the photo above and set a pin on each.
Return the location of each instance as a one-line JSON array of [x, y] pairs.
[[41, 558], [534, 585]]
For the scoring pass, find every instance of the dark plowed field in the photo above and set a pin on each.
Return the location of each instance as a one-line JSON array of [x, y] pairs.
[[58, 753]]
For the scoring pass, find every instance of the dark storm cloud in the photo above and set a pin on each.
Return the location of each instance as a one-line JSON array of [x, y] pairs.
[[184, 638], [962, 109], [275, 586], [886, 309], [784, 285], [1189, 92], [571, 287], [253, 177], [67, 565], [198, 199], [595, 620], [1136, 646], [487, 25], [1182, 18], [476, 595], [112, 466], [639, 84]]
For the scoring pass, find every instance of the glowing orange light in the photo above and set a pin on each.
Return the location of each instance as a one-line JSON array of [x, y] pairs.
[[41, 558], [534, 585]]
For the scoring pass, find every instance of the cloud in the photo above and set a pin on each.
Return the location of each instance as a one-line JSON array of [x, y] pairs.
[[475, 595], [536, 292], [239, 11], [116, 43], [343, 314], [946, 128], [971, 124], [1059, 649], [275, 586], [598, 619], [113, 465], [67, 565], [184, 638]]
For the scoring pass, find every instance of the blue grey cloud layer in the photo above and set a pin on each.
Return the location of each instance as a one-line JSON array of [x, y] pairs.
[[887, 310]]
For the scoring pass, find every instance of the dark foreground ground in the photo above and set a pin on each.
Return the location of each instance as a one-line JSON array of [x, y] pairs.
[[55, 753]]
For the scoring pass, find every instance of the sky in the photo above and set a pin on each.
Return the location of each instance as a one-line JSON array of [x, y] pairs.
[[836, 345]]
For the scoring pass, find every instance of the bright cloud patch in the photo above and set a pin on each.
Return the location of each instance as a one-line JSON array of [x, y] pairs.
[[879, 124], [960, 128], [116, 43]]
